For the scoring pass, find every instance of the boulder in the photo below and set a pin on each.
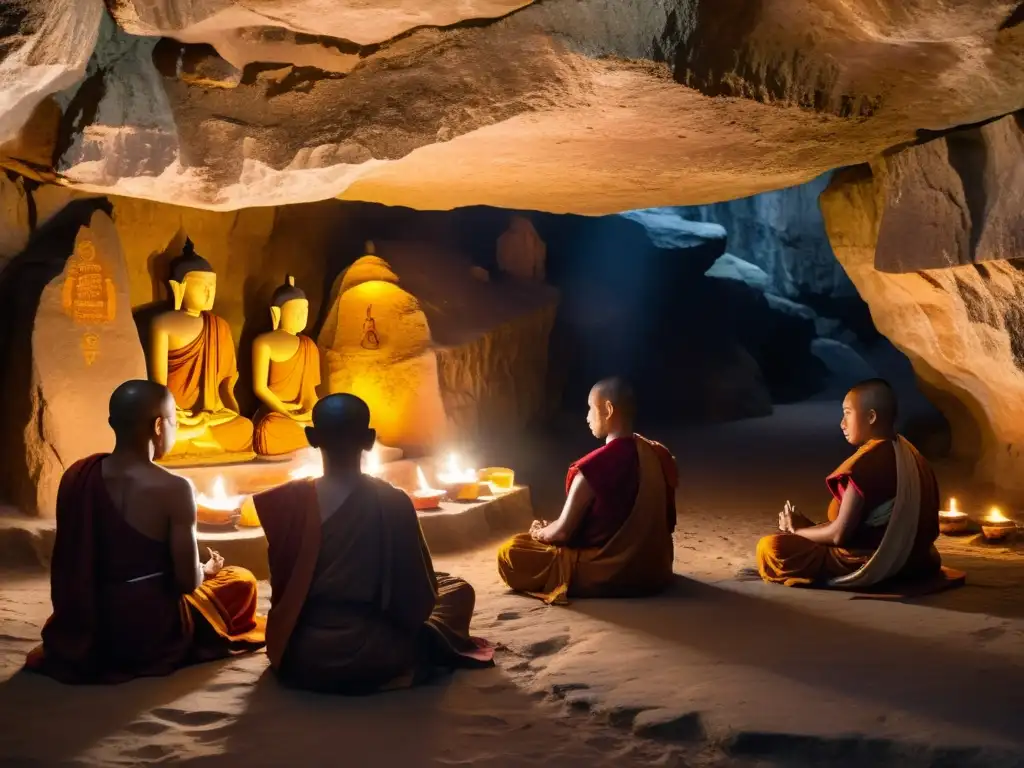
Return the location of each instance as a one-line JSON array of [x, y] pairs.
[[69, 340], [521, 252], [932, 241], [845, 365], [439, 356], [591, 106], [729, 267]]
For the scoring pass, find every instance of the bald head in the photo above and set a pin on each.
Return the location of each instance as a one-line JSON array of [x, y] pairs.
[[869, 411], [341, 425], [135, 405], [612, 407]]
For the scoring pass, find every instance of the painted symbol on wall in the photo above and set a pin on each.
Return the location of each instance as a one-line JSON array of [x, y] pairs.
[[370, 338], [89, 296]]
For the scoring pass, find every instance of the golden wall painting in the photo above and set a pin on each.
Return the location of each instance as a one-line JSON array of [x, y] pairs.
[[89, 296]]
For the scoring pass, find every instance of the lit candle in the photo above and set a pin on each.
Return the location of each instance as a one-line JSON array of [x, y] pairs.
[[952, 520], [425, 497], [460, 483], [996, 525], [218, 507]]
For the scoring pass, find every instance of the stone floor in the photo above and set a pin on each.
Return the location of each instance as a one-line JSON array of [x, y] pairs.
[[714, 673]]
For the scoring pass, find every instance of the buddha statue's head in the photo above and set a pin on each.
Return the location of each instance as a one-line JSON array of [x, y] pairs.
[[193, 281], [289, 308]]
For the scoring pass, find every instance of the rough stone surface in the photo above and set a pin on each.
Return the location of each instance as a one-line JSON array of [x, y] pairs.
[[451, 357], [69, 340], [591, 106], [897, 228], [783, 233], [521, 253]]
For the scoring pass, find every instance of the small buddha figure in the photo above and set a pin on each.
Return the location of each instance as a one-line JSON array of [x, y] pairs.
[[286, 373], [370, 338], [192, 353]]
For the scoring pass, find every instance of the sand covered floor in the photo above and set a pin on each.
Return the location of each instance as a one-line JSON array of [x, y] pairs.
[[716, 672]]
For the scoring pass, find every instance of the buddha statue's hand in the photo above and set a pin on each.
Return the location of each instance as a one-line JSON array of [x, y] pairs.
[[303, 417]]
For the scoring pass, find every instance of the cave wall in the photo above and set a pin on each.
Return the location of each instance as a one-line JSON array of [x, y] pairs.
[[932, 237]]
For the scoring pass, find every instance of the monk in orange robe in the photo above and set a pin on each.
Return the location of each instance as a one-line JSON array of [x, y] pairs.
[[202, 375], [293, 382], [356, 605], [884, 517], [130, 597], [614, 536]]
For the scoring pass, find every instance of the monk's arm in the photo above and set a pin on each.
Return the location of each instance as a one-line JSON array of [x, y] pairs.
[[414, 585], [261, 378], [838, 532], [181, 511], [576, 503]]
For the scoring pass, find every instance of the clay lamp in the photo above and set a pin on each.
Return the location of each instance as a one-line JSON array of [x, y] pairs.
[[218, 508], [996, 526], [952, 521], [501, 479], [459, 483], [425, 498]]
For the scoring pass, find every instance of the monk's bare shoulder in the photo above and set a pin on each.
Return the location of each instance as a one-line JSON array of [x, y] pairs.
[[394, 497], [173, 493]]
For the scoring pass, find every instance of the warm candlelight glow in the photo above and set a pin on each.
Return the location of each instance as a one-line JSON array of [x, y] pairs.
[[425, 497], [996, 516], [455, 473], [422, 480], [218, 498], [952, 506], [313, 464]]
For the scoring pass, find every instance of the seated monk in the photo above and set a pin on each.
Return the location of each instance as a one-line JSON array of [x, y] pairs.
[[130, 598], [884, 517], [356, 606], [614, 536]]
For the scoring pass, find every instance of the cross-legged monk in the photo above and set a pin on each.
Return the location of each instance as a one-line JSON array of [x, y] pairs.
[[884, 517], [356, 605], [614, 536], [130, 597]]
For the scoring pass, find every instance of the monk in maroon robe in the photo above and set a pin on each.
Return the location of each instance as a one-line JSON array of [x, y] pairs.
[[356, 606], [130, 597], [614, 536]]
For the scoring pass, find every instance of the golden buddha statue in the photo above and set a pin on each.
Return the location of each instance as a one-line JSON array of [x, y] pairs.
[[285, 374], [192, 352]]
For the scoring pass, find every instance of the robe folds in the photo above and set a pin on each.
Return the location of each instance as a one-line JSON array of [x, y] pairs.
[[294, 381], [895, 539], [117, 613], [356, 606], [623, 546], [197, 374]]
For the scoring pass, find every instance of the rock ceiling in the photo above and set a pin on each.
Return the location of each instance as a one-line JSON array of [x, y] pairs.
[[589, 106]]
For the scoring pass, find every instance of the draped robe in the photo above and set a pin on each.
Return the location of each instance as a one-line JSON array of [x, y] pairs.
[[294, 381], [355, 603], [117, 613], [790, 559], [199, 372], [623, 546]]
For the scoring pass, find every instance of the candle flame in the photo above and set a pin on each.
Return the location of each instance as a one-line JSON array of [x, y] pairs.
[[421, 479], [218, 498], [952, 505], [456, 473], [995, 515]]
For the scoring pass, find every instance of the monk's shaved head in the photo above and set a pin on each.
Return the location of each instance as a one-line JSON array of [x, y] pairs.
[[619, 393], [341, 422], [612, 407], [878, 395], [135, 405]]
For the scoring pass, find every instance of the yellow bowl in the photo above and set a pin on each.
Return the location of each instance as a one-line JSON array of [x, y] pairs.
[[500, 478], [463, 491], [249, 518]]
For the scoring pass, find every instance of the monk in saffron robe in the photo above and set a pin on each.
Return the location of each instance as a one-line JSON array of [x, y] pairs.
[[130, 598], [356, 606], [614, 536], [884, 517]]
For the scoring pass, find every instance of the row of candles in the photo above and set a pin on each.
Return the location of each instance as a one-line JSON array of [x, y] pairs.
[[994, 526], [458, 483]]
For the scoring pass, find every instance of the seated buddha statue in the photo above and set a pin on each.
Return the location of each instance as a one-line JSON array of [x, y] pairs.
[[192, 353], [285, 375]]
